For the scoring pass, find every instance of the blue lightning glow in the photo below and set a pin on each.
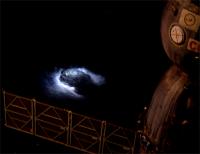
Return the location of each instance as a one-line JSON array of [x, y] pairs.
[[96, 79], [57, 87]]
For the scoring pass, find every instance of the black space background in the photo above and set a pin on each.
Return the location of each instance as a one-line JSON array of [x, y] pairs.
[[120, 40]]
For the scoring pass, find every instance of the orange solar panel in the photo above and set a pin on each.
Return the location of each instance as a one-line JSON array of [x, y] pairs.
[[18, 113], [65, 127]]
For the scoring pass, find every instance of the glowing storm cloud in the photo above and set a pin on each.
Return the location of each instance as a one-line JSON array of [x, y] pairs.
[[72, 82]]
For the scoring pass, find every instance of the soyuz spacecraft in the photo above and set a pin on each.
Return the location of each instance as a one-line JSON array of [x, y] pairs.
[[171, 123]]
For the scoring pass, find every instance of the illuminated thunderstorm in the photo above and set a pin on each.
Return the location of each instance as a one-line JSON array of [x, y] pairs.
[[72, 82]]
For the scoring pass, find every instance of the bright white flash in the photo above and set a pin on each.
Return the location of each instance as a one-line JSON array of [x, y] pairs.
[[62, 84], [96, 79], [57, 87]]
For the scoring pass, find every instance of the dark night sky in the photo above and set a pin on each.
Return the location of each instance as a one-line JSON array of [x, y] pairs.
[[120, 40]]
